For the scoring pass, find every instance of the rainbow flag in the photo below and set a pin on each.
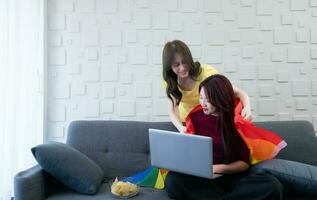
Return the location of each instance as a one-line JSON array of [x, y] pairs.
[[152, 177], [263, 144]]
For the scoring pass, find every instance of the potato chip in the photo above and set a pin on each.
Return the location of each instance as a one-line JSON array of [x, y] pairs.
[[123, 189]]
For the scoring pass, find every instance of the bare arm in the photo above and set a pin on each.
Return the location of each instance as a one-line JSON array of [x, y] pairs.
[[243, 96], [232, 168], [174, 116]]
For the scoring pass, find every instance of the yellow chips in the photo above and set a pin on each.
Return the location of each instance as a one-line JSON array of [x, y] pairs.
[[123, 189]]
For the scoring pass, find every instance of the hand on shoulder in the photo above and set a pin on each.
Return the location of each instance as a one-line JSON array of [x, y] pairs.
[[246, 113]]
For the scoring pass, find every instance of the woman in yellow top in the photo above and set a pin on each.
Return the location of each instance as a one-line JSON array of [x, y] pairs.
[[182, 77]]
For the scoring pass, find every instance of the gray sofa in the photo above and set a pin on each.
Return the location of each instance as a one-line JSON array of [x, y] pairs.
[[121, 149]]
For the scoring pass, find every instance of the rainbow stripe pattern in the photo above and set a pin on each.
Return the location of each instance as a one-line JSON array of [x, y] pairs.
[[263, 144], [152, 177]]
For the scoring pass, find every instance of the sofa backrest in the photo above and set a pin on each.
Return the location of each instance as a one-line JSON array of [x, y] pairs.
[[300, 138], [121, 148]]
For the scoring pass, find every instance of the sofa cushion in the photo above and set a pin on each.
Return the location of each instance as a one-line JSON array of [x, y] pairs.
[[298, 178], [69, 166], [105, 194]]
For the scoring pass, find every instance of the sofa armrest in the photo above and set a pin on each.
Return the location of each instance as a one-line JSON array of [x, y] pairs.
[[35, 184], [29, 184]]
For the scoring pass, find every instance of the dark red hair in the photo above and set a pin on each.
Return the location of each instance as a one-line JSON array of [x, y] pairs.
[[220, 94]]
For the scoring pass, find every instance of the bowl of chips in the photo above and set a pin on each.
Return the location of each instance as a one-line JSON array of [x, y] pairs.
[[124, 190]]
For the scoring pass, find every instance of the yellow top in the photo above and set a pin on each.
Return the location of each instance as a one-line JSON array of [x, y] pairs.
[[191, 98]]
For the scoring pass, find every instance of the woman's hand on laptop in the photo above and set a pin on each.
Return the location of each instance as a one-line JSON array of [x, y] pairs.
[[232, 168], [182, 129], [218, 168]]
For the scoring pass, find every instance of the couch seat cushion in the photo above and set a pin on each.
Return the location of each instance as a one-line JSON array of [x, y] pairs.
[[104, 193]]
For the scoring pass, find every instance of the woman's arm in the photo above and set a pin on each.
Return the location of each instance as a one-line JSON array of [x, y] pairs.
[[232, 168], [174, 116], [243, 96]]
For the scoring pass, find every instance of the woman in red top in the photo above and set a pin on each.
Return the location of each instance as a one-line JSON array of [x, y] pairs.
[[230, 153]]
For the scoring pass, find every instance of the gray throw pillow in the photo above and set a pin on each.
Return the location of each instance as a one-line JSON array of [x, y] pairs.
[[298, 178], [69, 166]]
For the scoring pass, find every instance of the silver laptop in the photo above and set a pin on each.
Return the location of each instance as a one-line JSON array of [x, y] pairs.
[[179, 152]]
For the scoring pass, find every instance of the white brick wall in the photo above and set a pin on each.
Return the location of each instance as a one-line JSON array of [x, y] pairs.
[[104, 56]]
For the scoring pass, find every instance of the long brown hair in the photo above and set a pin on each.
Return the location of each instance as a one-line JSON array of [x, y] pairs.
[[220, 94], [171, 49]]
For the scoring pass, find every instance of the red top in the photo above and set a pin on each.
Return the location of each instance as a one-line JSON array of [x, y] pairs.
[[209, 129], [207, 125]]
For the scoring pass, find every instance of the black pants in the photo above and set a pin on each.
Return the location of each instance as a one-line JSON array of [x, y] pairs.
[[239, 186]]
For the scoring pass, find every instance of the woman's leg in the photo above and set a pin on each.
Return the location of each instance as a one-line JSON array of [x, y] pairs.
[[186, 187], [175, 185], [256, 187]]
